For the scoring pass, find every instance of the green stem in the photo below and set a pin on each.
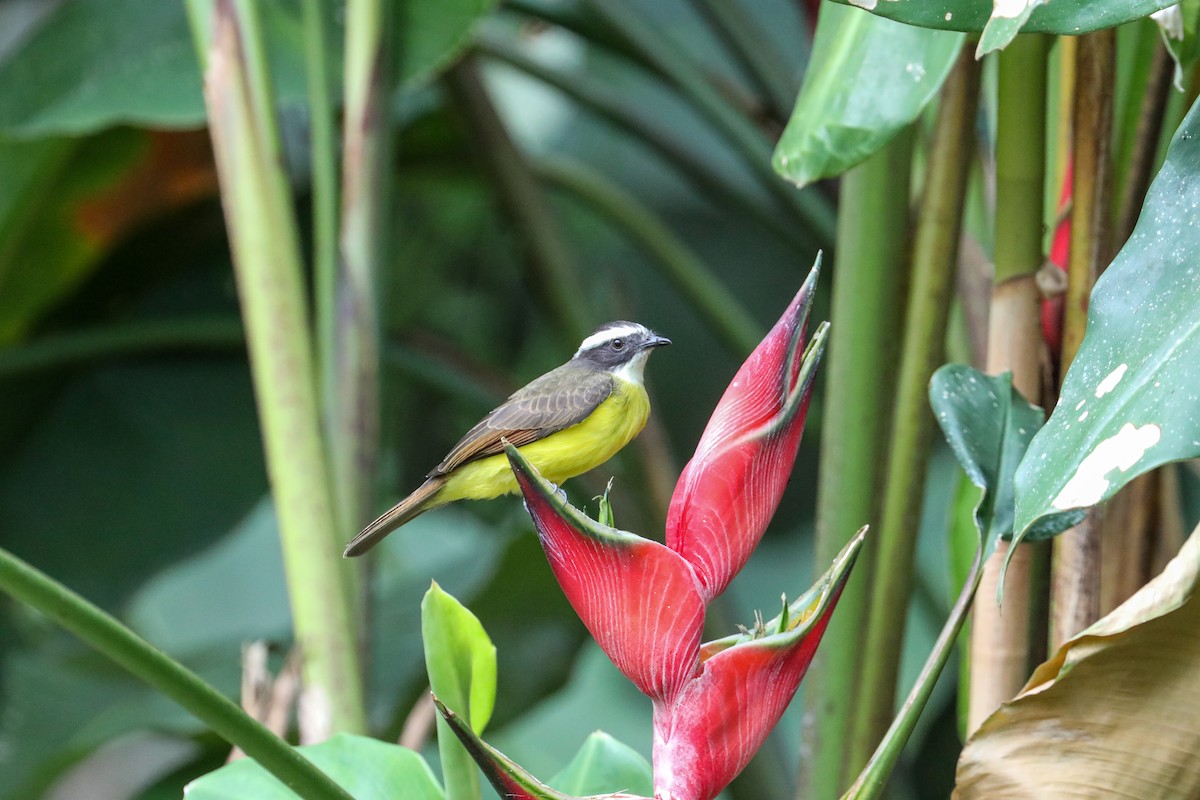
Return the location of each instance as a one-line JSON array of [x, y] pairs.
[[755, 51], [869, 274], [268, 267], [614, 109], [874, 777], [935, 258], [56, 351], [323, 149], [754, 149], [682, 267], [1003, 644], [353, 402], [555, 275], [1076, 580], [154, 667]]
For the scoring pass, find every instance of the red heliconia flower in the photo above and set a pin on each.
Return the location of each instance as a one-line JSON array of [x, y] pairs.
[[730, 489], [717, 722], [644, 602]]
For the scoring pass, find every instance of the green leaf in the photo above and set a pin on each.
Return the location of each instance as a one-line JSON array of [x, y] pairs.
[[461, 660], [89, 65], [867, 79], [1068, 17], [988, 425], [1131, 399], [604, 765], [367, 768]]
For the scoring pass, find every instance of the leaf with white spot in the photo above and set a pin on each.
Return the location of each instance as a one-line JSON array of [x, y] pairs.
[[1131, 400], [1069, 17]]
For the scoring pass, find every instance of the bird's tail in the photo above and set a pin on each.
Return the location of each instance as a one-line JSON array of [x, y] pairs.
[[406, 510]]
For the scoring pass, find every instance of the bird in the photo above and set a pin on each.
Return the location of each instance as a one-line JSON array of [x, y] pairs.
[[566, 422]]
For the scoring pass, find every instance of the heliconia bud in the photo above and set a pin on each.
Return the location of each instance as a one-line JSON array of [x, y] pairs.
[[730, 489], [638, 599], [510, 780], [718, 720]]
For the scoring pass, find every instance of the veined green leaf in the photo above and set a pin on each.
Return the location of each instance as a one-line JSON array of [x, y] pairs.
[[461, 660], [868, 78], [1131, 399]]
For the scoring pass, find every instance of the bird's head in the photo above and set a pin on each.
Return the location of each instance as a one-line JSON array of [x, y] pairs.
[[619, 347]]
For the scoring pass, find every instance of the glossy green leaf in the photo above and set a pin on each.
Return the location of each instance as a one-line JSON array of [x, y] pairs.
[[1067, 17], [367, 768], [604, 765], [988, 425], [868, 78], [1131, 399], [461, 660]]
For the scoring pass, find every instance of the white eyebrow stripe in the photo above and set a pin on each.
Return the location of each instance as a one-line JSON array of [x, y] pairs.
[[607, 336]]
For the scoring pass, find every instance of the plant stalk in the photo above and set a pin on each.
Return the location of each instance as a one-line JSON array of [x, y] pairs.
[[323, 150], [1075, 592], [352, 404], [869, 273], [268, 267], [1002, 645], [152, 666], [935, 261]]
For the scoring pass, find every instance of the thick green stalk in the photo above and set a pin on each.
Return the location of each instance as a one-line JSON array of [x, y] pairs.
[[869, 273], [353, 402], [935, 259], [268, 267], [753, 48], [1003, 644], [728, 319], [555, 276], [611, 107], [323, 150], [809, 206], [158, 670]]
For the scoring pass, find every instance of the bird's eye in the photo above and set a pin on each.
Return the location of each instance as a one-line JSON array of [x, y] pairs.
[[618, 344]]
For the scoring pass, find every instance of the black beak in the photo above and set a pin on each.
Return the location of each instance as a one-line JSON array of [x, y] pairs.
[[656, 341]]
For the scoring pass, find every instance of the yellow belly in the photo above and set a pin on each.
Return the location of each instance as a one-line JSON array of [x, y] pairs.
[[570, 452]]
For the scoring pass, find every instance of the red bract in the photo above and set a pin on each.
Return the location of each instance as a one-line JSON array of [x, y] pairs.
[[718, 721], [653, 636], [730, 489], [644, 602]]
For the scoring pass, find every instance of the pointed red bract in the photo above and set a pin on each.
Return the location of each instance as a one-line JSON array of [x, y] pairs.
[[717, 722], [730, 489], [638, 599]]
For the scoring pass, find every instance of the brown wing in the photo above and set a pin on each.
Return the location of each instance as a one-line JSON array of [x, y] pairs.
[[557, 400]]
